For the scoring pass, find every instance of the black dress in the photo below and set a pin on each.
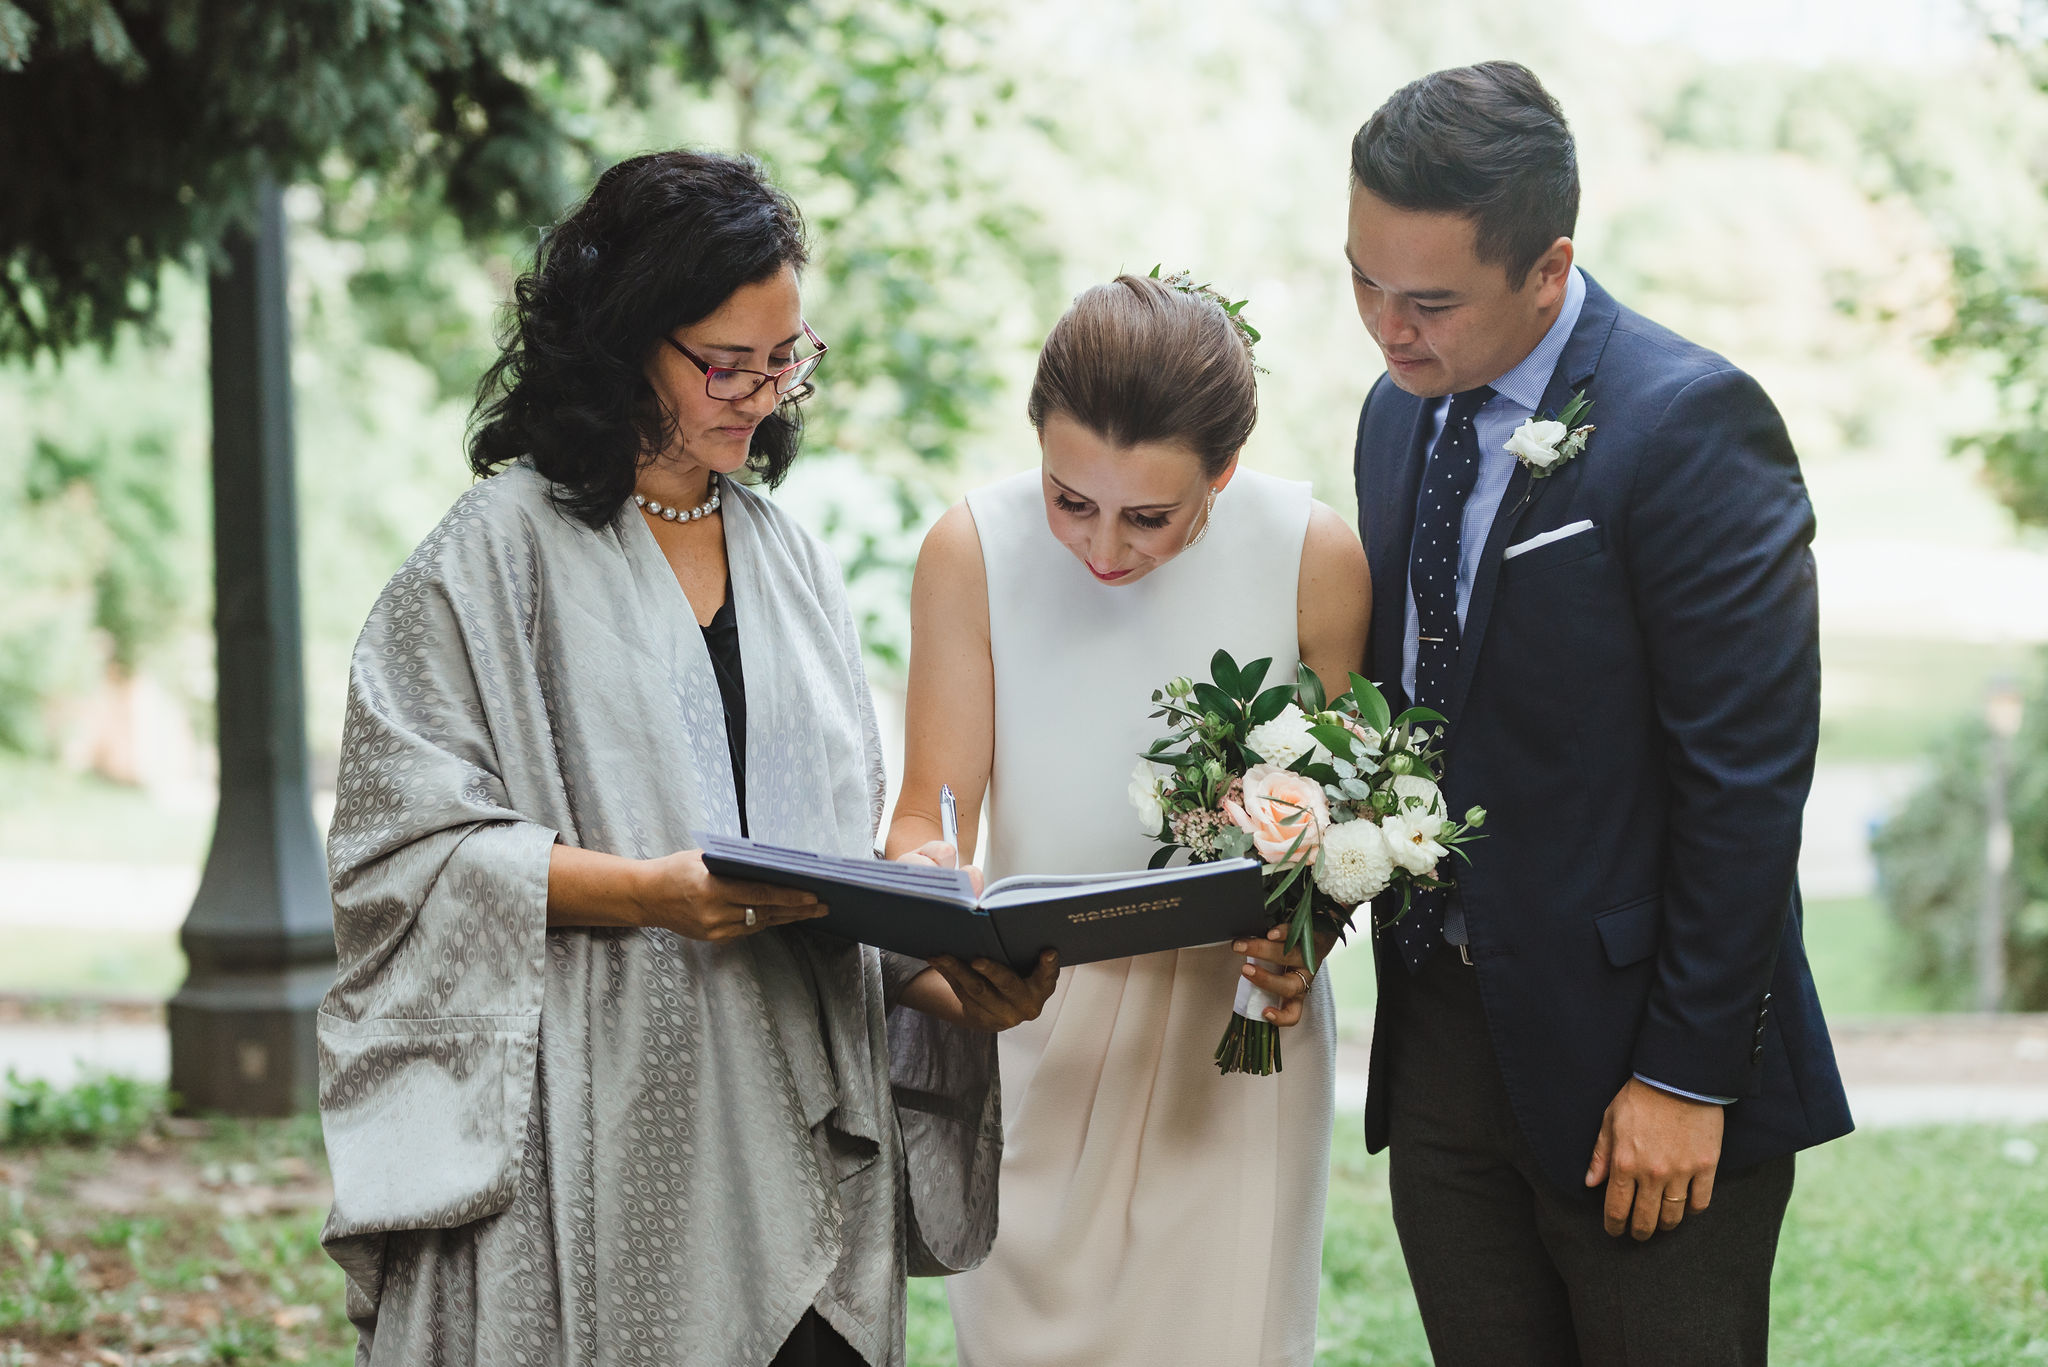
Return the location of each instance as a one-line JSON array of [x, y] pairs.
[[722, 639], [813, 1343]]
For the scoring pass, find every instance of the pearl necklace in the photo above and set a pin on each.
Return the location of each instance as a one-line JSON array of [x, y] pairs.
[[704, 509]]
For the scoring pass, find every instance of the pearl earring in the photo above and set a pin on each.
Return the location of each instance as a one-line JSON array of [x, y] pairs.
[[1208, 516]]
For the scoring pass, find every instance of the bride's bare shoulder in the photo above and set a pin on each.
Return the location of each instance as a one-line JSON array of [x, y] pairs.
[[950, 585], [1333, 600], [953, 545], [1330, 548]]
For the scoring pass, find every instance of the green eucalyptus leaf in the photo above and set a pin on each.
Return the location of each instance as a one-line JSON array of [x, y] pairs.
[[1335, 739], [1214, 699], [1270, 704], [1371, 703], [1224, 669], [1251, 676], [1308, 690]]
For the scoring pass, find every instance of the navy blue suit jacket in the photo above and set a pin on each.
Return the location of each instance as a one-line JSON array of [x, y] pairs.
[[1637, 708]]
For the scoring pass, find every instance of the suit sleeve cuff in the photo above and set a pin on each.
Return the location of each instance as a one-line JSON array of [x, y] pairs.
[[1680, 1091]]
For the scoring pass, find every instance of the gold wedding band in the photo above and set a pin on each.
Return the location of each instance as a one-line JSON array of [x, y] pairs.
[[1679, 1199], [750, 918]]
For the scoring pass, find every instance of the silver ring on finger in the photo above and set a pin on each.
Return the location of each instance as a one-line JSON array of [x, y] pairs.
[[751, 918], [1307, 982]]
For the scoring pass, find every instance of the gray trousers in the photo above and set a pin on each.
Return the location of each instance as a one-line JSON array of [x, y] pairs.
[[1509, 1270]]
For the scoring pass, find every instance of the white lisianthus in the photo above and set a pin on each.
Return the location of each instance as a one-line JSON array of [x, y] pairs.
[[1284, 739], [1536, 443], [1145, 798], [1355, 866], [1411, 840], [1406, 786]]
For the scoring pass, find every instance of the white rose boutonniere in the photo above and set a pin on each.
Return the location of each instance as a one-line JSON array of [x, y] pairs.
[[1543, 444]]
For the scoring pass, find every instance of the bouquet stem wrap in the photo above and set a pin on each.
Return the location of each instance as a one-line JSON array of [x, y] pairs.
[[1251, 1043]]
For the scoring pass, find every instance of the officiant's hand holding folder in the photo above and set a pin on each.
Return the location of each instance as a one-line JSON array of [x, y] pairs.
[[927, 912]]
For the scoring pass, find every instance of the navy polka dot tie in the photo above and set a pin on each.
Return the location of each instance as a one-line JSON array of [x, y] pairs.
[[1433, 578]]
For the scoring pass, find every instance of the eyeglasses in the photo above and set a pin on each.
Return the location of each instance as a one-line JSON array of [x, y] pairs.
[[731, 384]]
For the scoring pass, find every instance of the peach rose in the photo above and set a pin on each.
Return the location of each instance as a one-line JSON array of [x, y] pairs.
[[1279, 807]]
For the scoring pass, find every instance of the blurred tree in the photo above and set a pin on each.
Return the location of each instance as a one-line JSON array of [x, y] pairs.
[[931, 274], [1970, 160], [2002, 312], [1931, 866], [135, 135], [883, 119], [133, 132]]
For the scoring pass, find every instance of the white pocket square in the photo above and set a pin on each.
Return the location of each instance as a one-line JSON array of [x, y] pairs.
[[1544, 540]]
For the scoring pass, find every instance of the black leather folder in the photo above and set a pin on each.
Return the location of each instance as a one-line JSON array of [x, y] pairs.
[[925, 912]]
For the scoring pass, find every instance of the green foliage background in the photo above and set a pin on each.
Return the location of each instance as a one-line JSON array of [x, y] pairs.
[[1857, 236], [1931, 859]]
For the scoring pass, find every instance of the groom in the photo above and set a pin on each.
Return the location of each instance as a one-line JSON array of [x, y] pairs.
[[1594, 1060]]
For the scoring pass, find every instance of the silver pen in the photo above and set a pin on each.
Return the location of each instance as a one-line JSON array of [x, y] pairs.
[[949, 820]]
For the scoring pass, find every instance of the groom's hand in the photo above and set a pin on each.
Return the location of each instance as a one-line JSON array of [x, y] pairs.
[[1657, 1154]]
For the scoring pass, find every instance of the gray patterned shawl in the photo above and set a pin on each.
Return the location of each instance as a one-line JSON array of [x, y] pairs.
[[685, 1145]]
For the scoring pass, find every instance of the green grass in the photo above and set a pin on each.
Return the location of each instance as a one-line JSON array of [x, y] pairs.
[[48, 961], [47, 812], [96, 1110], [1854, 948], [1882, 699], [1925, 1247], [1922, 1247]]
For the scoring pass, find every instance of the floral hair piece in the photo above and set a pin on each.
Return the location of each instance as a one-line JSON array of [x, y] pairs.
[[1184, 281]]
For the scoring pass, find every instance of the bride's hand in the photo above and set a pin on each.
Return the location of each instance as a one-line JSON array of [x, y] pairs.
[[1281, 971], [939, 853]]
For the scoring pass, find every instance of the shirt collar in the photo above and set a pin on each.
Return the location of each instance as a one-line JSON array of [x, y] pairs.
[[1523, 386]]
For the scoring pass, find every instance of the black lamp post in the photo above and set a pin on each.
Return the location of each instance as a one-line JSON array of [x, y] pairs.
[[260, 936]]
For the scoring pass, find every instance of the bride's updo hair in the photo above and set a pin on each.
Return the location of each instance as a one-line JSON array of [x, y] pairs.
[[1138, 361]]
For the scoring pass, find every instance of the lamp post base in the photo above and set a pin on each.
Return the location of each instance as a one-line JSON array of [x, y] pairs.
[[243, 1042]]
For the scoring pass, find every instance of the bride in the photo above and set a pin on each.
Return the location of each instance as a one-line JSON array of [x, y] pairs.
[[1151, 1209]]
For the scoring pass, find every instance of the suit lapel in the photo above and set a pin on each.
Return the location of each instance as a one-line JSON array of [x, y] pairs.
[[1574, 368]]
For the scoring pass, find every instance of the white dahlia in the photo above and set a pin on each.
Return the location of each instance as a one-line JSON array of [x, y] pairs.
[[1355, 866], [1284, 739]]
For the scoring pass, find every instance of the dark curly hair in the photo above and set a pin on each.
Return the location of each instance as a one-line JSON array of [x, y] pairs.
[[662, 241]]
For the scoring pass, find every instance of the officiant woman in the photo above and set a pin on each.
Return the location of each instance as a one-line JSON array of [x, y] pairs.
[[584, 1101]]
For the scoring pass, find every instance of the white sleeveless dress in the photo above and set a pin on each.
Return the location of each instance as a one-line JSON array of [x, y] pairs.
[[1151, 1209]]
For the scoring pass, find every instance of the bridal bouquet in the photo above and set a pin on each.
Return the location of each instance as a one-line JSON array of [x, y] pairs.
[[1336, 797]]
